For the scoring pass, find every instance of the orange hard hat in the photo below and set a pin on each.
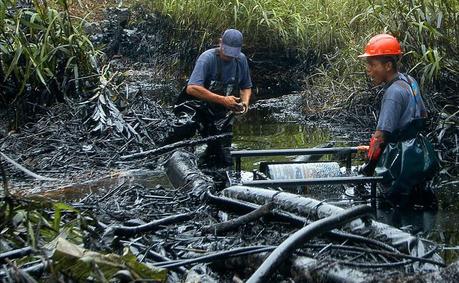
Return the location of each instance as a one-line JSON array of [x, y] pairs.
[[382, 45]]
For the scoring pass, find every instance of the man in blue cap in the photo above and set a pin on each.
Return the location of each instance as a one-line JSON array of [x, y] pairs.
[[219, 87]]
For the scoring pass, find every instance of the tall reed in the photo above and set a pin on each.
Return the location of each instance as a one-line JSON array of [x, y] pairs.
[[44, 52], [428, 29]]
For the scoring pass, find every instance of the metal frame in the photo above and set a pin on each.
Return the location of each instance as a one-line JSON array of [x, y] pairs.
[[237, 155], [313, 181]]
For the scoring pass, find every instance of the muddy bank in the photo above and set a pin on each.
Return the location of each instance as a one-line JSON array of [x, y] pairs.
[[173, 226]]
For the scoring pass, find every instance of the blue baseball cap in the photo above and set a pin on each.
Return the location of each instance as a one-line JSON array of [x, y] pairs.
[[232, 42]]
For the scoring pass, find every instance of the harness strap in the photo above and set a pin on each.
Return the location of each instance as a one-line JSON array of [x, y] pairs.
[[219, 68], [219, 65], [410, 86], [410, 130]]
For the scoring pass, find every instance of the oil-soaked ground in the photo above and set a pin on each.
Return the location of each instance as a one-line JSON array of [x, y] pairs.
[[119, 191], [263, 130], [275, 124]]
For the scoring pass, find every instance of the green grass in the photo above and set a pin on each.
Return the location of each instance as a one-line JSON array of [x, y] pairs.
[[335, 29], [303, 25]]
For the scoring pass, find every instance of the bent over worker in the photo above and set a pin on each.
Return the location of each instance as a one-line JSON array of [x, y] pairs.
[[397, 150], [219, 87]]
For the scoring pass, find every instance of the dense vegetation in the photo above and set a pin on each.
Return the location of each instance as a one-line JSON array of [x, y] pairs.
[[45, 51], [334, 30], [45, 54]]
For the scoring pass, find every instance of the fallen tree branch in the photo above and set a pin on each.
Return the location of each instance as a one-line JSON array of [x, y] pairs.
[[216, 256], [25, 170], [239, 221], [126, 231], [172, 146], [314, 229], [386, 253]]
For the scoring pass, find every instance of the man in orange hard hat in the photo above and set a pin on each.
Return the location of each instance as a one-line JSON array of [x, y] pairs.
[[397, 150]]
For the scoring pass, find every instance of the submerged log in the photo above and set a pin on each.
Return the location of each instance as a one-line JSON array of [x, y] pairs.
[[239, 221], [183, 173]]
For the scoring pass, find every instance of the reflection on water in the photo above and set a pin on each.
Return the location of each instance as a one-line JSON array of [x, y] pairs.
[[255, 131], [441, 226], [277, 135], [101, 185]]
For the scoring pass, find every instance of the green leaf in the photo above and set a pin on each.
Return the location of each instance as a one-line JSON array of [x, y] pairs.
[[58, 208], [31, 234], [80, 263], [14, 63]]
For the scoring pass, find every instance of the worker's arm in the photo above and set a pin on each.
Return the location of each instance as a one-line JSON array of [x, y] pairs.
[[378, 143], [245, 98], [200, 92]]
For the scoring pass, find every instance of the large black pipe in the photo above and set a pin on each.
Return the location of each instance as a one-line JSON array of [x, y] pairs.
[[127, 231], [183, 173], [314, 229]]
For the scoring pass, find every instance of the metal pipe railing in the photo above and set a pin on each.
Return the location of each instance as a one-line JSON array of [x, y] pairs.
[[348, 151], [313, 181], [238, 154], [293, 151]]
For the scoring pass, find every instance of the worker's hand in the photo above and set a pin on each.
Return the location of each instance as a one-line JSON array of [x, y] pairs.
[[363, 148], [231, 103], [246, 107], [243, 108]]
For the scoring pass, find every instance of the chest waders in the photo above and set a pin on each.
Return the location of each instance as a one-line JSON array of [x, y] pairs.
[[208, 118], [408, 161]]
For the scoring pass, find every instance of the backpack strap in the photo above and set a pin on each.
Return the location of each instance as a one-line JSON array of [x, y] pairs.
[[409, 82]]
